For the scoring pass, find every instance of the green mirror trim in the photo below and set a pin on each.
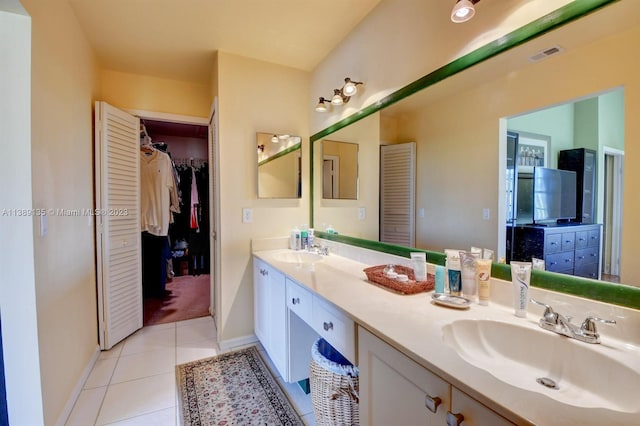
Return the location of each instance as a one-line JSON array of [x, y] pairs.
[[617, 294], [281, 154]]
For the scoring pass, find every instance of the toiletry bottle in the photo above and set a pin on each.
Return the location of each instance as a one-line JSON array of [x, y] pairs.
[[311, 238], [292, 238], [298, 241], [440, 272], [469, 274], [455, 279], [484, 281], [520, 278], [304, 238]]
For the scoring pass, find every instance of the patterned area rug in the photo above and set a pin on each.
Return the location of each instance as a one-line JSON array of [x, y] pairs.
[[235, 388]]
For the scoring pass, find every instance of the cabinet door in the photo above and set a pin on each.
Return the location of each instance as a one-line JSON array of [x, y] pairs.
[[472, 412], [278, 320], [394, 390], [270, 312], [261, 301]]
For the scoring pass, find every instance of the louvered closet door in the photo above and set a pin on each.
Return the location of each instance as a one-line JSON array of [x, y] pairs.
[[397, 193], [118, 224]]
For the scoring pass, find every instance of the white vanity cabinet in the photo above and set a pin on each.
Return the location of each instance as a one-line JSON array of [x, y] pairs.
[[270, 312], [396, 390]]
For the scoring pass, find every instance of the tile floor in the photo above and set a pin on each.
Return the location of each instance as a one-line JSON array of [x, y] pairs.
[[134, 383]]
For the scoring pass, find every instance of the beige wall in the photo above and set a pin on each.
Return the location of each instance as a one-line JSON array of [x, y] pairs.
[[148, 93], [64, 83], [254, 96], [347, 154], [401, 41]]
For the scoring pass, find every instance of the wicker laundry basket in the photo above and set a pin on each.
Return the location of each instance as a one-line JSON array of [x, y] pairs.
[[334, 386]]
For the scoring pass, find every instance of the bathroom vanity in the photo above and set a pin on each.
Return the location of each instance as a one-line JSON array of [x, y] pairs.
[[425, 364]]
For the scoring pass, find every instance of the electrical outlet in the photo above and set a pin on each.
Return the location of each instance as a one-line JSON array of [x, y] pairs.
[[421, 213], [486, 213], [362, 214], [247, 215]]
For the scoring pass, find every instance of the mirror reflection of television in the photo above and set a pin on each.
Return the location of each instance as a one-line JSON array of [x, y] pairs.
[[554, 195]]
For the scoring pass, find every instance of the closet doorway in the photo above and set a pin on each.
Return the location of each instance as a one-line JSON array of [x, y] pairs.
[[187, 269]]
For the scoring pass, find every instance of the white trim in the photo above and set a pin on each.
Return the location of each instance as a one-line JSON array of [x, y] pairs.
[[215, 306], [616, 220], [502, 188], [163, 116], [335, 168], [226, 345], [75, 393]]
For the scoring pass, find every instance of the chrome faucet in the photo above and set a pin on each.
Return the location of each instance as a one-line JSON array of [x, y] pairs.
[[557, 323]]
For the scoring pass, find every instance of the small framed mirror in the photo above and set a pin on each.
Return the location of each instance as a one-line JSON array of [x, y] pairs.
[[339, 170], [279, 165]]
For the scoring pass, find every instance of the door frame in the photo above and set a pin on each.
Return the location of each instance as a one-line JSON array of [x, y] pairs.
[[335, 175], [214, 215], [201, 121], [618, 200]]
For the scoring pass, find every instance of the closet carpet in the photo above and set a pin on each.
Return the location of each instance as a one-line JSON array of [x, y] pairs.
[[188, 297]]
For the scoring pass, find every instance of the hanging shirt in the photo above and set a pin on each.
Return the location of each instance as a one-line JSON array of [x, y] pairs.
[[194, 201], [158, 193]]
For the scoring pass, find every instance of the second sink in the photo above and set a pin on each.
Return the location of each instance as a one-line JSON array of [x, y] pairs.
[[536, 360]]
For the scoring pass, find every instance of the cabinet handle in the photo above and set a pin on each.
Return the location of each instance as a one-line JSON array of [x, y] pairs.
[[432, 403], [295, 300], [454, 419], [264, 272], [327, 326]]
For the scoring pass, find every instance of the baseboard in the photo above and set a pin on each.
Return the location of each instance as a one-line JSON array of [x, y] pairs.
[[68, 407], [226, 345]]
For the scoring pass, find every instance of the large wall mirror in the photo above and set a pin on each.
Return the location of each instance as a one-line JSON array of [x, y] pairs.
[[576, 98], [279, 165]]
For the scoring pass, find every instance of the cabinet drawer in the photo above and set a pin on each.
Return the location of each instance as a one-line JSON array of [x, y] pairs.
[[568, 241], [586, 256], [594, 238], [300, 301], [552, 243], [582, 238], [335, 327], [559, 261], [589, 270]]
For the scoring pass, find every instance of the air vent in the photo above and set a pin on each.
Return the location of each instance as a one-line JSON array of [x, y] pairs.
[[545, 53]]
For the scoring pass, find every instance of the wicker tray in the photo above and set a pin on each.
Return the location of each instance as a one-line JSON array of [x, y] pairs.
[[376, 275]]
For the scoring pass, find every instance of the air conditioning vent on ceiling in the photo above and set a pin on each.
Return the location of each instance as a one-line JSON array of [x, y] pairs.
[[545, 53]]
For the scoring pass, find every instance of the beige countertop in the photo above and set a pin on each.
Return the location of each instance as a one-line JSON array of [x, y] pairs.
[[413, 325]]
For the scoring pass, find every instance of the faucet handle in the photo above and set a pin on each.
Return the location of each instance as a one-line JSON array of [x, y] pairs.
[[549, 315], [589, 326]]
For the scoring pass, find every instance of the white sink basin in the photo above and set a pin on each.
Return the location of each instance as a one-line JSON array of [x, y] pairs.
[[518, 356], [298, 257]]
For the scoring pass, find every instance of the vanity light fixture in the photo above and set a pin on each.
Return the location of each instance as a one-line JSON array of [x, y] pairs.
[[275, 139], [463, 11], [340, 96]]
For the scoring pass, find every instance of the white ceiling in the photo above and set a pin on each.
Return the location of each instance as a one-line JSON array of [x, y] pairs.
[[177, 38]]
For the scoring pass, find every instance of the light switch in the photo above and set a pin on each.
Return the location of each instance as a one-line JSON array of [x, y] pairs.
[[362, 214], [421, 212], [44, 225], [486, 213], [247, 215]]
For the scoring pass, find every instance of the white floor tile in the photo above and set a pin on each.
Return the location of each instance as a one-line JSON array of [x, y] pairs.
[[150, 340], [195, 321], [138, 397], [166, 417], [194, 351], [155, 327], [85, 410], [101, 373], [113, 352], [196, 331], [144, 364]]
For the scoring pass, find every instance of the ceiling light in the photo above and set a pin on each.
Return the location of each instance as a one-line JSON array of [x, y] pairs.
[[275, 139], [463, 11], [338, 97], [350, 87], [321, 107]]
